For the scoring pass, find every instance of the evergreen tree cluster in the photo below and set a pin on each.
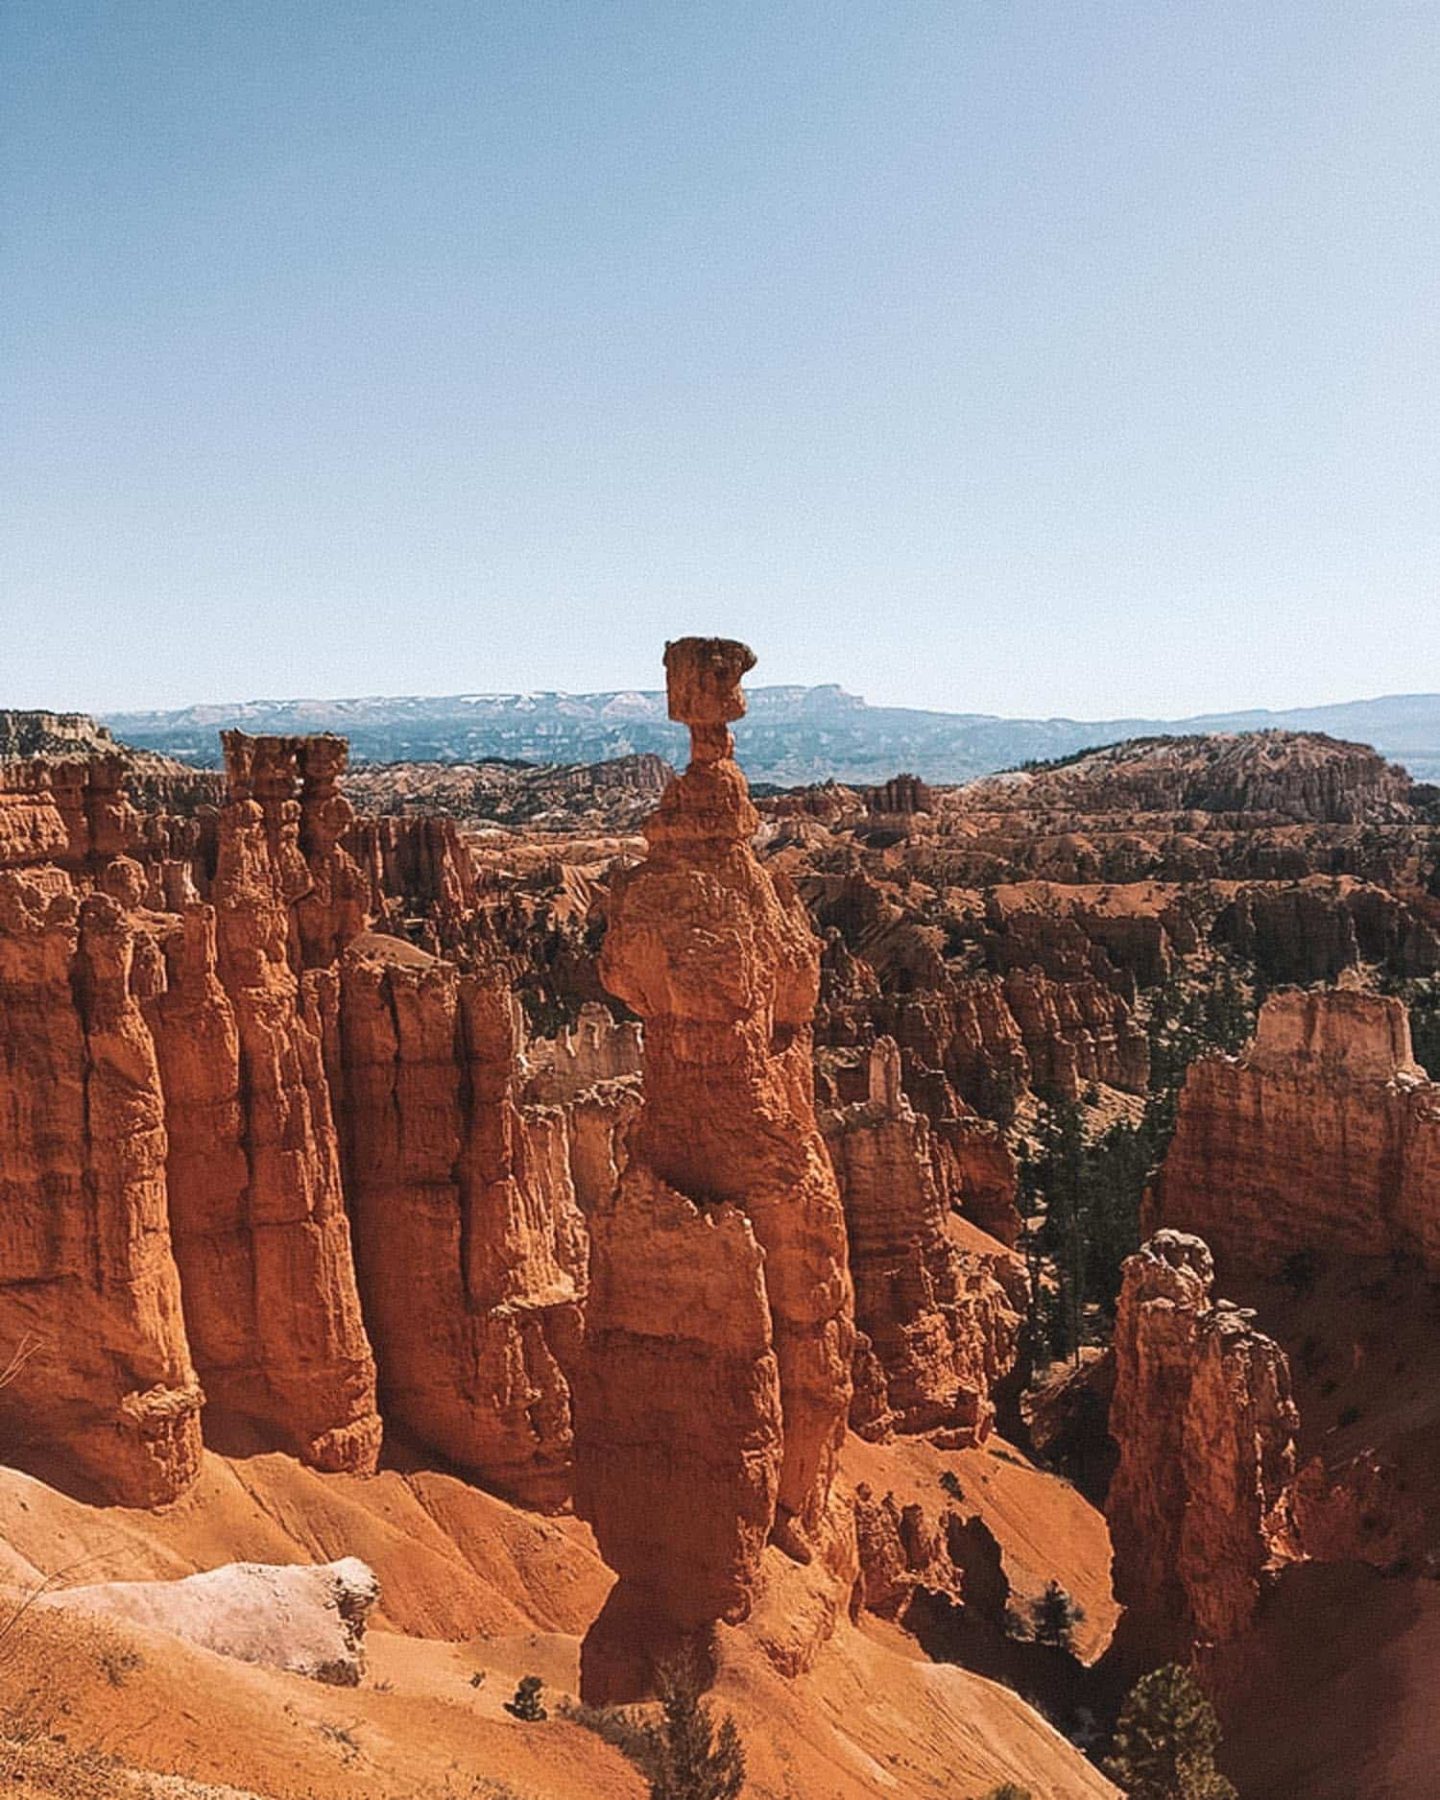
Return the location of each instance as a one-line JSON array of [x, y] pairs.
[[1166, 1740], [1054, 1614], [685, 1754], [1081, 1196], [1424, 1004]]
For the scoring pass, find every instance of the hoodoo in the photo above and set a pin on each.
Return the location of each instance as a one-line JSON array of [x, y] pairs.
[[260, 1244], [1205, 1424], [720, 1323]]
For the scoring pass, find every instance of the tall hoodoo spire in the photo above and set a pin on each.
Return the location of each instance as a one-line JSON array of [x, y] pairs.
[[721, 1319]]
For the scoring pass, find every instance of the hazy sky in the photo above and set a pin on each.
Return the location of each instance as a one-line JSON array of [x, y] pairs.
[[1078, 357]]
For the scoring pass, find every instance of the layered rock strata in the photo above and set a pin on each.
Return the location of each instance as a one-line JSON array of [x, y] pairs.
[[262, 1233], [720, 1324], [171, 1163], [104, 1394], [1323, 1137], [471, 1247]]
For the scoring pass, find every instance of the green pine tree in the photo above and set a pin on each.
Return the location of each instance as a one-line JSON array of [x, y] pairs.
[[527, 1704], [686, 1756], [1054, 1615], [1166, 1740]]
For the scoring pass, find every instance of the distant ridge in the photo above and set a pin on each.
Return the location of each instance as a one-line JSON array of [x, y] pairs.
[[792, 734]]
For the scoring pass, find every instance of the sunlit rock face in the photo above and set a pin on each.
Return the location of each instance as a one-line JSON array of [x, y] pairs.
[[720, 1324], [260, 1223], [1324, 1136], [103, 1394], [470, 1243]]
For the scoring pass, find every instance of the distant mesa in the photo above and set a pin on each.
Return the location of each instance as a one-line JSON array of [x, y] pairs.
[[792, 735]]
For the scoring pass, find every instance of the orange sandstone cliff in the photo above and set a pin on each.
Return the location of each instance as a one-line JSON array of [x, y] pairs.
[[938, 1304], [265, 1255], [106, 1397], [1324, 1136], [470, 1243]]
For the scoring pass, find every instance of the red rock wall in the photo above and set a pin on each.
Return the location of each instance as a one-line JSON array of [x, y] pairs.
[[1076, 1033], [471, 1247], [1203, 1417], [1324, 1136], [934, 1314], [293, 1362], [108, 1398]]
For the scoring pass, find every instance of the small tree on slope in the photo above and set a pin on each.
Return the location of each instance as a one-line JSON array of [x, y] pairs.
[[685, 1756], [1166, 1741], [1054, 1616]]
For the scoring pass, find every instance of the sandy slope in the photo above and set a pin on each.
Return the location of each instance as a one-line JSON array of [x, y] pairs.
[[474, 1586]]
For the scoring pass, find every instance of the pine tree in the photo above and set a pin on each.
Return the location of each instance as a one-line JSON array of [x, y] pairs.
[[686, 1757], [1054, 1616], [1166, 1741], [527, 1704]]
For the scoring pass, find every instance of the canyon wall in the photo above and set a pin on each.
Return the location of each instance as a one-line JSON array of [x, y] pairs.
[[939, 1308], [177, 1074], [105, 1396], [1323, 1137], [471, 1246], [264, 1248]]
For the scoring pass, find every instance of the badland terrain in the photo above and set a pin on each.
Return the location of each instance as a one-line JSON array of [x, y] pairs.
[[914, 1258]]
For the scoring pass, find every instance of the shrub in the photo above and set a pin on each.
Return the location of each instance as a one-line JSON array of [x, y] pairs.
[[689, 1758], [527, 1704], [1054, 1616], [627, 1731], [1166, 1740], [683, 1754]]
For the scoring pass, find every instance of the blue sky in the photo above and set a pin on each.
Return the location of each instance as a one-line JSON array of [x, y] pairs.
[[1077, 357]]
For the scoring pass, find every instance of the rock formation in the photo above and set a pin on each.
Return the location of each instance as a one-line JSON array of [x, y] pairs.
[[1292, 775], [71, 814], [470, 1244], [899, 796], [940, 1316], [720, 1327], [106, 1396], [309, 1620], [1324, 1136], [216, 1040], [264, 1250], [1076, 1033], [1205, 1424], [938, 1551]]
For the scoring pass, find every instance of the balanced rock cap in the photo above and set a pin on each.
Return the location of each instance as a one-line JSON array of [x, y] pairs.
[[702, 679]]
